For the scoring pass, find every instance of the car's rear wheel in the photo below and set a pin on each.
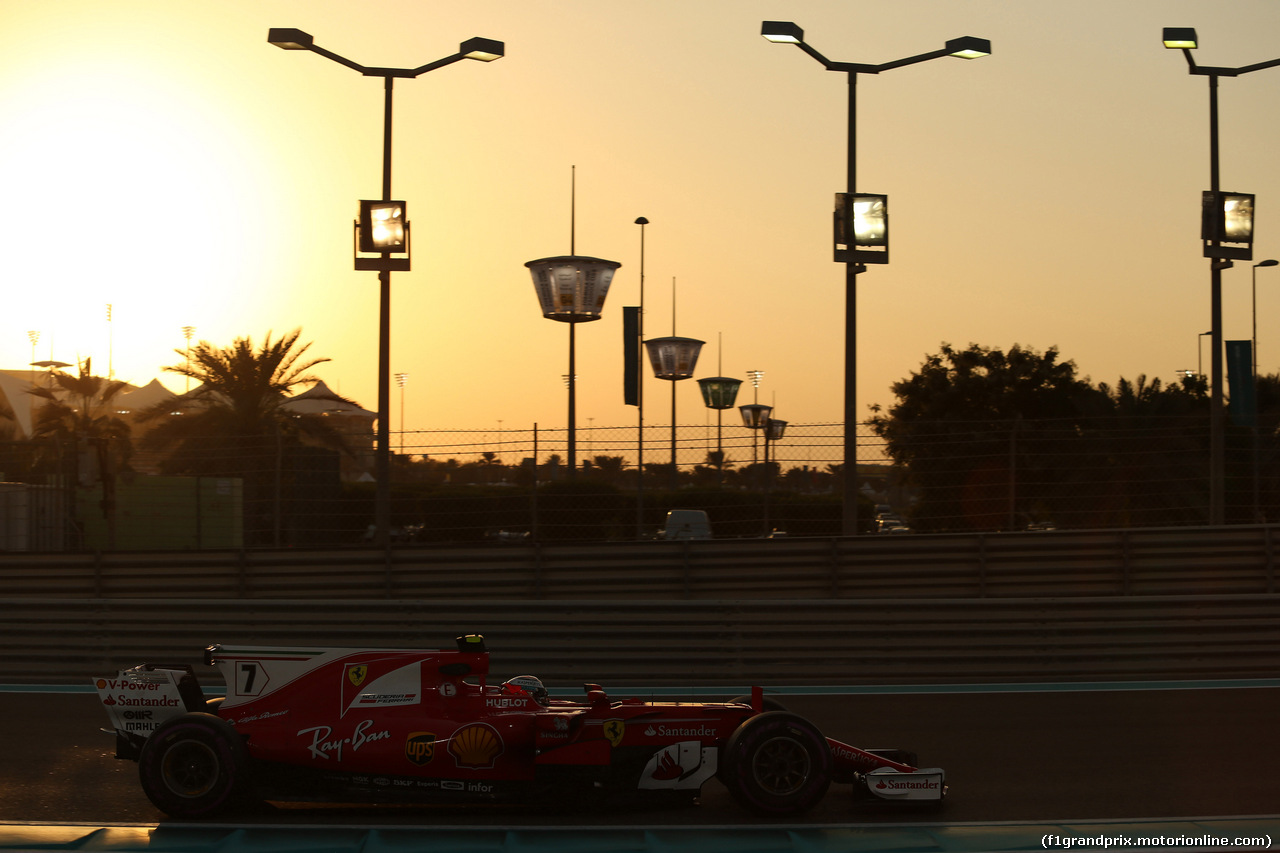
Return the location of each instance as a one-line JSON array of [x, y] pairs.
[[776, 763], [194, 766]]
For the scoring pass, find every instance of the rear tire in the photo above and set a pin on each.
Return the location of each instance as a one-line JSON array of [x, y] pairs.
[[776, 763], [194, 766]]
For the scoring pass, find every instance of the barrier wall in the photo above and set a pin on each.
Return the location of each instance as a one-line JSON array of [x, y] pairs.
[[1152, 561], [720, 642]]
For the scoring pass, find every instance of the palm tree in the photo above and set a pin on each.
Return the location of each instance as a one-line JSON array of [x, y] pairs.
[[236, 422], [78, 413]]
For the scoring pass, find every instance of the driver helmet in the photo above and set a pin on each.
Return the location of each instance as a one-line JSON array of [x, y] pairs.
[[527, 685]]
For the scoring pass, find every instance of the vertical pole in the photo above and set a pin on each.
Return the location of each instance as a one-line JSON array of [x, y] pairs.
[[382, 461], [1217, 450], [849, 514], [640, 368], [674, 482], [573, 404]]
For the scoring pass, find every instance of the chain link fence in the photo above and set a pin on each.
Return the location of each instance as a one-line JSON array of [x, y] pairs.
[[518, 485]]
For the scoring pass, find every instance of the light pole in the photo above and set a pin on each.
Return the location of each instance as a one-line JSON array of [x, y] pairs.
[[1200, 353], [1225, 218], [187, 332], [34, 337], [1270, 262], [383, 229], [673, 359], [401, 380], [635, 346], [862, 228]]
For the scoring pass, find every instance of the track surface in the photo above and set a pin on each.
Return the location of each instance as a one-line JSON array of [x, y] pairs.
[[1009, 757]]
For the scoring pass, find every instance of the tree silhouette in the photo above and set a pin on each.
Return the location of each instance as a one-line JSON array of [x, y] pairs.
[[78, 413], [237, 423]]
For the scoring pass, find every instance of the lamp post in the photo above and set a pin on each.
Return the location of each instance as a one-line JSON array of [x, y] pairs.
[[383, 229], [774, 429], [401, 380], [634, 343], [673, 359], [861, 224], [572, 289], [187, 332], [719, 393], [1200, 353], [1270, 262], [1225, 218], [34, 337]]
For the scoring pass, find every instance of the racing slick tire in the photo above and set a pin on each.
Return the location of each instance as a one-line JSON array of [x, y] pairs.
[[776, 763], [194, 765]]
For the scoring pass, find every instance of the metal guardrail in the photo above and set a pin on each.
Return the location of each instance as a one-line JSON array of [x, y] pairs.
[[1152, 561], [730, 642]]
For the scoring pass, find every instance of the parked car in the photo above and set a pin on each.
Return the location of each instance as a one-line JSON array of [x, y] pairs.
[[686, 524], [395, 726]]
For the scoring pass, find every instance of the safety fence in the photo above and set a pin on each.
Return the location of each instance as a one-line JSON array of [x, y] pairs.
[[1138, 562], [454, 486], [683, 643]]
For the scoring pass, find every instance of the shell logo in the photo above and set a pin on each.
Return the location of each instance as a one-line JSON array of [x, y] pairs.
[[475, 745]]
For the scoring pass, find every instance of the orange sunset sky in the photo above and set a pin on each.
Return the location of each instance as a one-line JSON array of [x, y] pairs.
[[164, 158]]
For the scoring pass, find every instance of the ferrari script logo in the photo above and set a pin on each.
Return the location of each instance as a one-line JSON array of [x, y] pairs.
[[356, 674], [614, 730]]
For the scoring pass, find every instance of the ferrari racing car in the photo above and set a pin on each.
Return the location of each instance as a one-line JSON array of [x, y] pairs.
[[395, 726]]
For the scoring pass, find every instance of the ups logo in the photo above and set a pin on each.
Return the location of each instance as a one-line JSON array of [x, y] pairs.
[[420, 747]]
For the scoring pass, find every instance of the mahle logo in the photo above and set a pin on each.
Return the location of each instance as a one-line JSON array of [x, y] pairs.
[[420, 747]]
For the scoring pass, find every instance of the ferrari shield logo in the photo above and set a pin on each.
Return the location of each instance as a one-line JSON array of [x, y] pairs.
[[614, 730], [356, 674]]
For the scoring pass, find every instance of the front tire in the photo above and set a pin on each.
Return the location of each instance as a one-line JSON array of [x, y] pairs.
[[194, 766], [776, 763]]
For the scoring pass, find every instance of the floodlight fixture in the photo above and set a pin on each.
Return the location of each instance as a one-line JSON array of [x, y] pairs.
[[482, 49], [383, 226], [968, 47], [289, 38], [782, 32], [862, 228], [1227, 217], [1180, 38]]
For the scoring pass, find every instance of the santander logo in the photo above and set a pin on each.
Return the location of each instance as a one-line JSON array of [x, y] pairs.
[[903, 784]]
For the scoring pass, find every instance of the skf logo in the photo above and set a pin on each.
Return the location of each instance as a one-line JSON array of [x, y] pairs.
[[614, 730], [420, 747], [356, 674]]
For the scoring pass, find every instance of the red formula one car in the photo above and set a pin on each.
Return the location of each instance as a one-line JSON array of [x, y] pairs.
[[388, 726]]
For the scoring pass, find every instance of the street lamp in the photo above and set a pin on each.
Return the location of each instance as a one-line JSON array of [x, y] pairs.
[[719, 393], [673, 359], [1226, 218], [774, 429], [572, 289], [383, 229], [861, 229]]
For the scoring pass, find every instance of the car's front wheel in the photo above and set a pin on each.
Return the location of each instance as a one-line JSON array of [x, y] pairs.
[[194, 766], [776, 763]]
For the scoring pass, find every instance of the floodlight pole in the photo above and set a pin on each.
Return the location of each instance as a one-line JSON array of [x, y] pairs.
[[784, 32], [482, 49], [1217, 426]]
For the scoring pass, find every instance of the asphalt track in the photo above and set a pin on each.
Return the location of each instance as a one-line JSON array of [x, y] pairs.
[[1056, 757]]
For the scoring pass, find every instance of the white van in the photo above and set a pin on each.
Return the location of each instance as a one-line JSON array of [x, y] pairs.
[[686, 524]]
